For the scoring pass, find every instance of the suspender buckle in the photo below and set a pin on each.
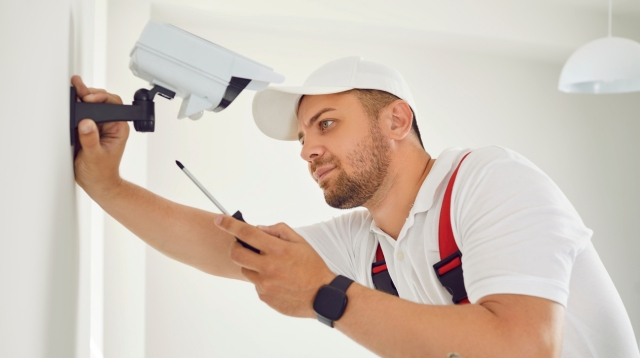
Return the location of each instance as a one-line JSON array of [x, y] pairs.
[[382, 279], [449, 273]]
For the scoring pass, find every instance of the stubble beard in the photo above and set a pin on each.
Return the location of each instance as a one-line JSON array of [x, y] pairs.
[[370, 161]]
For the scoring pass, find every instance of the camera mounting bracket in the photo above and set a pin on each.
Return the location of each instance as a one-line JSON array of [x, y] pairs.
[[141, 111]]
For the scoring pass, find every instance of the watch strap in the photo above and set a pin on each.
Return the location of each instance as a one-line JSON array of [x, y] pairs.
[[325, 320], [342, 283]]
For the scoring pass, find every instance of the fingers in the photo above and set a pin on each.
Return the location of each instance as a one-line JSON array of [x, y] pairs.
[[270, 230], [255, 278], [81, 89], [251, 275], [102, 96], [246, 258], [282, 231], [89, 136], [247, 233], [93, 95]]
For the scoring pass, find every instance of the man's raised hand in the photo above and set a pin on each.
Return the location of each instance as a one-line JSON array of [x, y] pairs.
[[97, 163]]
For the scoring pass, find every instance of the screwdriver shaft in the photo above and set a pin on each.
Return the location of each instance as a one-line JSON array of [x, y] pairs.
[[204, 190]]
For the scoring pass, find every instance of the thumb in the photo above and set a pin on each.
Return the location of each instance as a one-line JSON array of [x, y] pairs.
[[282, 231], [88, 135]]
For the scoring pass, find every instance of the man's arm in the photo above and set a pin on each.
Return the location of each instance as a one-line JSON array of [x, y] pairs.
[[497, 326], [183, 233], [288, 273]]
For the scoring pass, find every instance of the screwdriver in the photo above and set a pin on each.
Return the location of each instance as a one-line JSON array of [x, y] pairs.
[[237, 215]]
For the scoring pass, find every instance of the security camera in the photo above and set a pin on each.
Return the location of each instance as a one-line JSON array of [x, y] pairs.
[[206, 76]]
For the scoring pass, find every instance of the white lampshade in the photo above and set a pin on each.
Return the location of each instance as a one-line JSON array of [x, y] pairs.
[[606, 65]]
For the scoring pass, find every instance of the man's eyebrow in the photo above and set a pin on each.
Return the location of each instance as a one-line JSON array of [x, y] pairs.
[[314, 119]]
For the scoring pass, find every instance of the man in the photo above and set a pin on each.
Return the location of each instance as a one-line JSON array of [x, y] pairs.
[[536, 286]]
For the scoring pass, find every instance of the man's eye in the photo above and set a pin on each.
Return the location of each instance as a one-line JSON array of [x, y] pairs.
[[325, 124]]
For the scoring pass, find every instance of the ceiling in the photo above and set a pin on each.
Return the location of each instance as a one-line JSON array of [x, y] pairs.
[[380, 7], [547, 30]]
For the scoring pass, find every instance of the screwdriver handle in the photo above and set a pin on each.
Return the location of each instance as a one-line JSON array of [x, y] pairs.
[[238, 216]]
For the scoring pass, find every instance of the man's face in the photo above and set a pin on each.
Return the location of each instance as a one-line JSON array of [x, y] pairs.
[[347, 153]]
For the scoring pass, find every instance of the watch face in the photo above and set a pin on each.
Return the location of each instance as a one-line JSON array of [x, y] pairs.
[[330, 303]]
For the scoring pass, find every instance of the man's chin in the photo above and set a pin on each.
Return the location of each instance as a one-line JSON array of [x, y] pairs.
[[327, 194], [337, 201], [325, 185], [329, 197], [339, 204]]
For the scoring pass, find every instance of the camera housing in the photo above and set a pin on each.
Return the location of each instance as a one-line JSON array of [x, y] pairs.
[[206, 76]]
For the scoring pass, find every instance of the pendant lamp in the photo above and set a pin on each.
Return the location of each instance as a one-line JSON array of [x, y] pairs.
[[606, 65]]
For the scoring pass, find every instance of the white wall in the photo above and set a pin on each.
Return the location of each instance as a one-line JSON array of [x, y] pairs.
[[87, 59], [39, 254], [124, 253]]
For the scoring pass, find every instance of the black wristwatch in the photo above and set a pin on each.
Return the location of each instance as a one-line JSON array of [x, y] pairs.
[[331, 300]]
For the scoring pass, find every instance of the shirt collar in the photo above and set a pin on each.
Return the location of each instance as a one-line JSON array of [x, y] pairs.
[[429, 188]]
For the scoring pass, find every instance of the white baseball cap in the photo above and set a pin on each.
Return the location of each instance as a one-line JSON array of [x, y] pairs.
[[275, 108]]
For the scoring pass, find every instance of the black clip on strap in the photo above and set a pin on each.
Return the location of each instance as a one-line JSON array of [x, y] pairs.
[[238, 216], [382, 280], [452, 280]]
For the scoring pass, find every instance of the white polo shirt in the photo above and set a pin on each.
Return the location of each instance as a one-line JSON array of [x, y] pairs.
[[518, 234]]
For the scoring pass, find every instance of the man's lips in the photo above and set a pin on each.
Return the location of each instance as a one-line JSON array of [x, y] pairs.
[[321, 172]]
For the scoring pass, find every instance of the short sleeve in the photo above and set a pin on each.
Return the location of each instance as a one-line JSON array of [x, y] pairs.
[[517, 231], [335, 240]]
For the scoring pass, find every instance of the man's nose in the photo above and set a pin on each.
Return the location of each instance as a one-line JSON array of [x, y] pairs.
[[311, 149]]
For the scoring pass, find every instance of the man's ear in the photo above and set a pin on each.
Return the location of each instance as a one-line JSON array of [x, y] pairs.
[[399, 119]]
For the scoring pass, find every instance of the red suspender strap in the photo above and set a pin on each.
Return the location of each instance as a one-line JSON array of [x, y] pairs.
[[379, 257], [450, 255], [380, 275], [449, 269], [379, 254], [446, 241]]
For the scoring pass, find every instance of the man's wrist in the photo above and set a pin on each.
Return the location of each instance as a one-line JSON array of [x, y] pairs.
[[331, 300], [327, 278]]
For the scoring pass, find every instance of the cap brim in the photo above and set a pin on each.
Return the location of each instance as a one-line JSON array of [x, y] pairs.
[[274, 109]]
